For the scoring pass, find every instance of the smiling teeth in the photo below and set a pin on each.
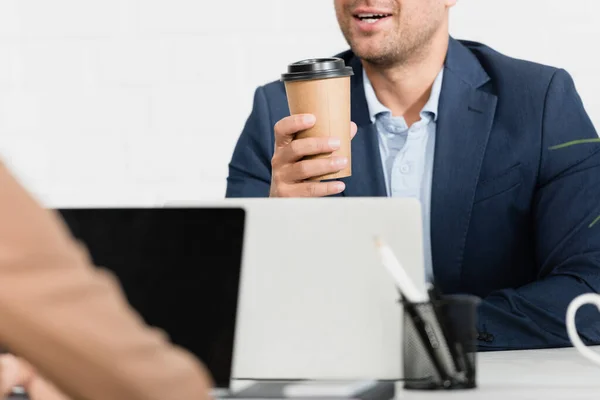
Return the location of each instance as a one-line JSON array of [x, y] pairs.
[[371, 18]]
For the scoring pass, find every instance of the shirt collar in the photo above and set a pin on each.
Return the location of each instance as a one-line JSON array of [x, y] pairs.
[[375, 106]]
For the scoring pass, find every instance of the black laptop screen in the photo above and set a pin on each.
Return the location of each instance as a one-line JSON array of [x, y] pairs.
[[179, 268]]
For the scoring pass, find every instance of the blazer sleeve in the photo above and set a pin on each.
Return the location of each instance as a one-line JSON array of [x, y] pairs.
[[250, 166], [71, 321], [565, 214]]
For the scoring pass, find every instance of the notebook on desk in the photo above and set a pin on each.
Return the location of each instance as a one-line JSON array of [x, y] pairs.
[[179, 268]]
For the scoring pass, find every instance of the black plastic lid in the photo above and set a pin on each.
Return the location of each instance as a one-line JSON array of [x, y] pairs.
[[317, 68]]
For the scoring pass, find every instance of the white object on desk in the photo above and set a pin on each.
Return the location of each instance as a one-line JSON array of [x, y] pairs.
[[588, 298], [315, 302]]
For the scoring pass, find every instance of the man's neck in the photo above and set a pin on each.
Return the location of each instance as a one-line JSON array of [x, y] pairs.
[[405, 88]]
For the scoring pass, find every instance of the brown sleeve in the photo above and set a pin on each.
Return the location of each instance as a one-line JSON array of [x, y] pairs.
[[70, 319]]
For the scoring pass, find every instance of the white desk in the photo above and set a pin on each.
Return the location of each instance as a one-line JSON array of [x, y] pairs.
[[557, 374], [533, 374]]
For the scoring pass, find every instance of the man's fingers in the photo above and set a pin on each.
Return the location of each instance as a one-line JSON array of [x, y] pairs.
[[301, 148], [307, 169], [287, 128], [320, 189], [312, 189], [290, 168], [353, 130]]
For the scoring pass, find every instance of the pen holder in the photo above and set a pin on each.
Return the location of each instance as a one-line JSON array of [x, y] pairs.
[[440, 343]]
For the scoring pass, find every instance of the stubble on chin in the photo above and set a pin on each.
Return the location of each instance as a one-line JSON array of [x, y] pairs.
[[394, 49], [388, 52]]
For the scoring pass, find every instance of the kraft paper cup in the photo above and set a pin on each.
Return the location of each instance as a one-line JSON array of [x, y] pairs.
[[321, 87]]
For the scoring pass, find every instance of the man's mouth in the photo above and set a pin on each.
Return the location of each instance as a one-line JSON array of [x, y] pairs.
[[371, 18]]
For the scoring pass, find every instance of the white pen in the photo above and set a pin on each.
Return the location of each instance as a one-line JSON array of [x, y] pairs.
[[405, 284]]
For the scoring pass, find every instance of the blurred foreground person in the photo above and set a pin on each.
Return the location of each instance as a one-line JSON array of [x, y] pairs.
[[72, 323]]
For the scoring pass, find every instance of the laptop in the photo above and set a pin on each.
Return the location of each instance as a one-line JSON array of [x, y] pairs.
[[315, 301], [179, 268]]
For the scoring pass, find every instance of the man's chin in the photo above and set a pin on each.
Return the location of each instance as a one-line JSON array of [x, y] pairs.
[[373, 57], [365, 51]]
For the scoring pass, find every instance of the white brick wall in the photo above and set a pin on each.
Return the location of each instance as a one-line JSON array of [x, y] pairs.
[[141, 101]]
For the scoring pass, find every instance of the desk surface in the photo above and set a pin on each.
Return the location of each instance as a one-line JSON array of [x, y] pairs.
[[532, 374], [516, 375]]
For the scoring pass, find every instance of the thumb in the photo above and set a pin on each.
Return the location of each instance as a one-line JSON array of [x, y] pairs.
[[13, 372], [353, 130]]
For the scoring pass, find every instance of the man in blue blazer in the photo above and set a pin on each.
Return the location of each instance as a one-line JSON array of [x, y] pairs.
[[510, 215]]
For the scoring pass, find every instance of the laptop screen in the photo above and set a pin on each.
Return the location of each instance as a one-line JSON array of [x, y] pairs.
[[179, 268]]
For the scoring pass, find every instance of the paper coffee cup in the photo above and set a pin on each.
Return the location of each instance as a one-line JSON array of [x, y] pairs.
[[322, 87]]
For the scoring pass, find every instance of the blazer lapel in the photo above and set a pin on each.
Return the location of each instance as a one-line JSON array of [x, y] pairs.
[[466, 113], [367, 173]]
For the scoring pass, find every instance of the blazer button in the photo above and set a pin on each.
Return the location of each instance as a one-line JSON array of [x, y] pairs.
[[485, 337]]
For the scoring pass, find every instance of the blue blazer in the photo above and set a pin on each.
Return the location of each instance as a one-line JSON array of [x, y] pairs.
[[512, 219]]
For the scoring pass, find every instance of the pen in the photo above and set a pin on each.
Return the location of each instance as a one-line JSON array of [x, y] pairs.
[[405, 284], [414, 297]]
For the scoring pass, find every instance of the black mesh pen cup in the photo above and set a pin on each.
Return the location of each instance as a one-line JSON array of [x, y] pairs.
[[440, 343]]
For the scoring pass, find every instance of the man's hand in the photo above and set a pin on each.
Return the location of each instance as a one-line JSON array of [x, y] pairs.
[[16, 372], [290, 170]]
